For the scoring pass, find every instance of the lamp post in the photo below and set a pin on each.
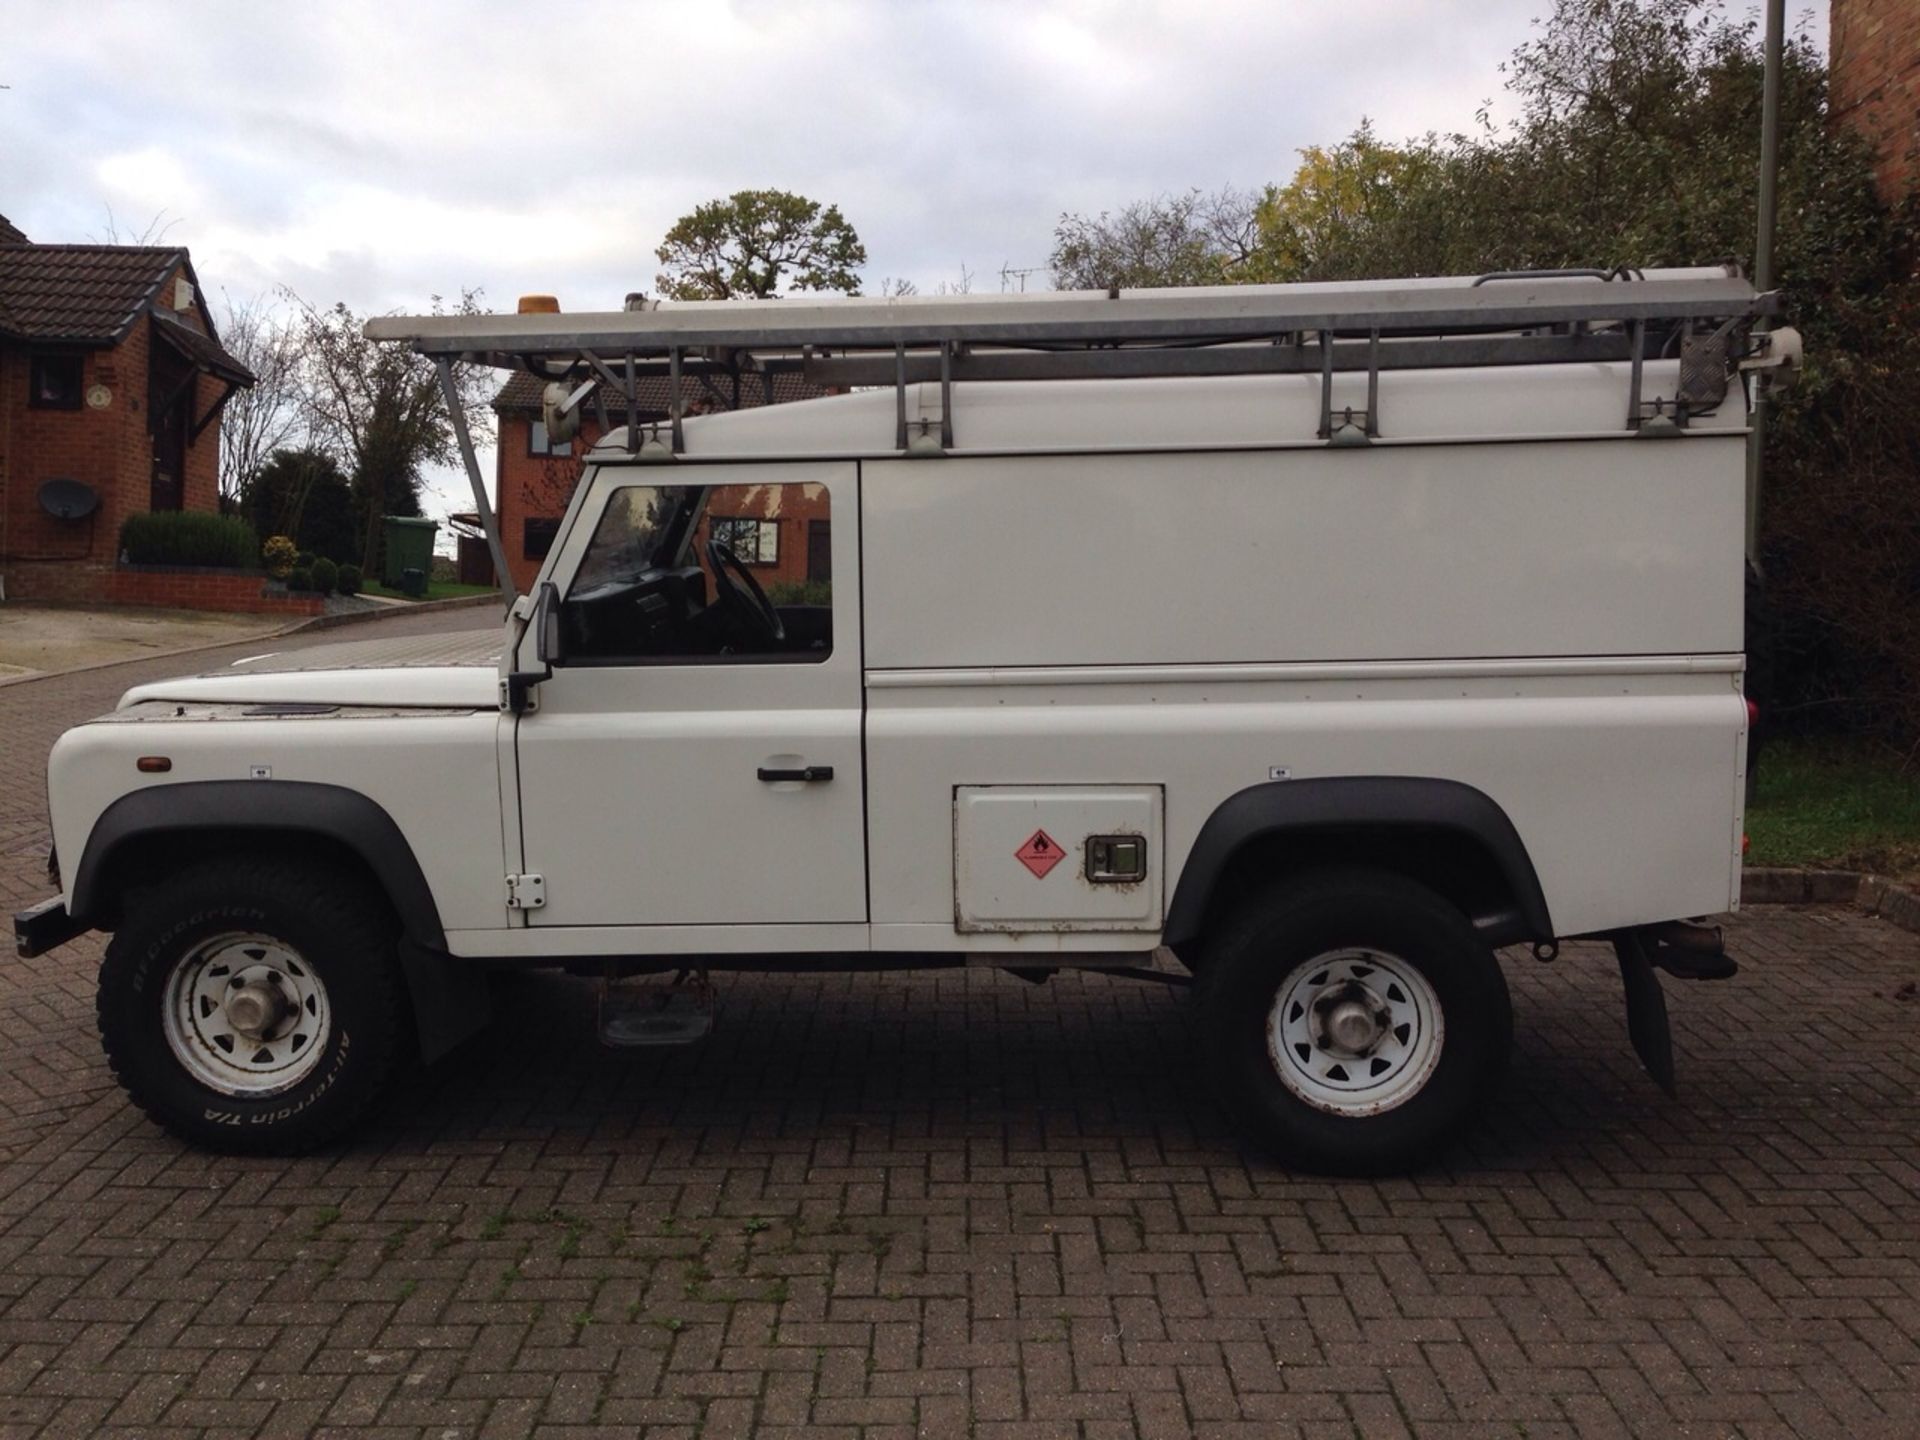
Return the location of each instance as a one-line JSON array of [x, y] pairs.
[[1763, 259]]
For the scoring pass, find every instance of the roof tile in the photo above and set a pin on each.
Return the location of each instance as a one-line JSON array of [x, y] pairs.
[[88, 294]]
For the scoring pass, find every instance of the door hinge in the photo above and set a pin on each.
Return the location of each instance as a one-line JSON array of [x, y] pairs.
[[526, 892]]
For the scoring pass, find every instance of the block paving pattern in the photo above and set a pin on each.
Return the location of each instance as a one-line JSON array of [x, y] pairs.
[[956, 1204]]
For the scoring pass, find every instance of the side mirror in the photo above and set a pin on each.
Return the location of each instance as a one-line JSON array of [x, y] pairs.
[[517, 686], [546, 620]]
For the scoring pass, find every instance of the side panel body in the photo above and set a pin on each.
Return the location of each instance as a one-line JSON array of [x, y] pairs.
[[1569, 548], [1555, 624]]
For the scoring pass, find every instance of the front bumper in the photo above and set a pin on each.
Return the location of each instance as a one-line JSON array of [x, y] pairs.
[[46, 925]]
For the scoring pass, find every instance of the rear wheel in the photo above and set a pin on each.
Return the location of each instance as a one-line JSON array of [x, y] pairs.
[[1352, 1021], [254, 1005]]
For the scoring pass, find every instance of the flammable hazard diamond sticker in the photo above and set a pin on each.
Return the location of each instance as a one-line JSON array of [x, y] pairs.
[[1040, 854]]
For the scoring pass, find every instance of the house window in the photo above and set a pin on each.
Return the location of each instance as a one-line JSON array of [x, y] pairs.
[[54, 382], [537, 535], [539, 444], [757, 542]]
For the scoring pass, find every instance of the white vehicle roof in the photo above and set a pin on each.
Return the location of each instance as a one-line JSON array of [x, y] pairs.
[[1220, 412]]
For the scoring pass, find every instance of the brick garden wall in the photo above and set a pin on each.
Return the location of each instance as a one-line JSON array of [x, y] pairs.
[[189, 587], [1875, 66]]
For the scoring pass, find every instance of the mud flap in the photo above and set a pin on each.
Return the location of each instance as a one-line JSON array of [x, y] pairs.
[[452, 998], [1647, 1022]]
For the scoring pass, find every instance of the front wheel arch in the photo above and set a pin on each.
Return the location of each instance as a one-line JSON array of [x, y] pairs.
[[150, 834], [149, 830]]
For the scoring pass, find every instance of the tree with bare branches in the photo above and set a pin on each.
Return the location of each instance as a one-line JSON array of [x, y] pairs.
[[1191, 239], [272, 414], [379, 409]]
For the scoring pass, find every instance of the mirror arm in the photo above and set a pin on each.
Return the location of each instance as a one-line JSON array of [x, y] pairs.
[[518, 684]]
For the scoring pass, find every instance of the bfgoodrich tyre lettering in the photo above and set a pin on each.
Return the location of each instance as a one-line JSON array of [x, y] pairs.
[[254, 1004], [1351, 1021]]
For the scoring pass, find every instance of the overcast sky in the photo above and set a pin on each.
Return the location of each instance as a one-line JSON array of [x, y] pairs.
[[383, 153]]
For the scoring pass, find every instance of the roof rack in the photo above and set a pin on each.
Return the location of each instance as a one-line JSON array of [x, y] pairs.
[[1508, 318]]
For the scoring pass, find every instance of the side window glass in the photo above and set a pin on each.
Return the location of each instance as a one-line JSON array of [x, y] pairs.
[[694, 574]]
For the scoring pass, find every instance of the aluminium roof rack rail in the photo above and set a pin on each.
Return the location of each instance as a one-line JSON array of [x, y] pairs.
[[1506, 318]]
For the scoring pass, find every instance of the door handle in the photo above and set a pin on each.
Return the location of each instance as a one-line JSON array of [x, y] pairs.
[[809, 774]]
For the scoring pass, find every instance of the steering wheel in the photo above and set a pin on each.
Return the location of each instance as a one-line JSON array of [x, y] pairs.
[[742, 596]]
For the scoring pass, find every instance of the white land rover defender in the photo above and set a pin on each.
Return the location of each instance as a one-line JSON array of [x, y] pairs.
[[1306, 643]]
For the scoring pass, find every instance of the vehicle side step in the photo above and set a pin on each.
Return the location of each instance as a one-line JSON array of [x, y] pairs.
[[677, 1013]]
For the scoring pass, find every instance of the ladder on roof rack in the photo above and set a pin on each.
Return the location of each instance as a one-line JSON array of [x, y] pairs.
[[1506, 318]]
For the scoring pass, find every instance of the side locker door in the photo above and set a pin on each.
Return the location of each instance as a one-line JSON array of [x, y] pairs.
[[705, 789]]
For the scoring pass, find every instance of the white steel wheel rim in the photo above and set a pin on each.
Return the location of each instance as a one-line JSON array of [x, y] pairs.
[[246, 1015], [1355, 1032]]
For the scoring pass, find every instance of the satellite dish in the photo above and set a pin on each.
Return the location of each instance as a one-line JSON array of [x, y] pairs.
[[66, 499]]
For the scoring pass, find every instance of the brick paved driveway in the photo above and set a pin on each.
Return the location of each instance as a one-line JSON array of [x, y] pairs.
[[957, 1204]]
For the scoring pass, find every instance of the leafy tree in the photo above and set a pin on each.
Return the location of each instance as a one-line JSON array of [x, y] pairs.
[[304, 494], [1638, 144], [757, 243], [1190, 239], [378, 408], [1361, 208]]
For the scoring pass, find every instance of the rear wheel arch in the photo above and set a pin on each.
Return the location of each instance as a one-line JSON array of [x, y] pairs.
[[1447, 836]]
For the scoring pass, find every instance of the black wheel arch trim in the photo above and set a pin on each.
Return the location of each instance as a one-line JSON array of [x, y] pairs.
[[1351, 802], [287, 806]]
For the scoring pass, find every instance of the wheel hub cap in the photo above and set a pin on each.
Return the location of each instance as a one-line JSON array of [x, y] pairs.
[[255, 1010], [1349, 1023], [245, 1015], [1355, 1032]]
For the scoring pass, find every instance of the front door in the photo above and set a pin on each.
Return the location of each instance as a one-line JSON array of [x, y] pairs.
[[695, 759], [170, 401]]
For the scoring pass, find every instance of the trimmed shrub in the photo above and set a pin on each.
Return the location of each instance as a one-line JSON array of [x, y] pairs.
[[326, 575], [303, 560], [349, 581], [277, 555], [800, 592], [189, 537], [299, 580]]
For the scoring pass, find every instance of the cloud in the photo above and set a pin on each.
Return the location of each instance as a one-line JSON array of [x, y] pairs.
[[380, 153]]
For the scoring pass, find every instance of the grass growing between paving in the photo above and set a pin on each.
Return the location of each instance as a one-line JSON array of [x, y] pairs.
[[1822, 803], [436, 590]]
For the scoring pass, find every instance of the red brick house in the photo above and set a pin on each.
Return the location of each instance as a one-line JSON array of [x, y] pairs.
[[1874, 65], [535, 478], [112, 378]]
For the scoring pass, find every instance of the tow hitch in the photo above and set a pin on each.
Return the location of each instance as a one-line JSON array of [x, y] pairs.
[[1687, 952]]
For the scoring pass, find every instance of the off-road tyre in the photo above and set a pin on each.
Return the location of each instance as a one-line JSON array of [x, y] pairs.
[[1280, 939], [344, 937]]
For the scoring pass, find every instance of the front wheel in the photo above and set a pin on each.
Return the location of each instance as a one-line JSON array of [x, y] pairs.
[[253, 1005], [1352, 1021]]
